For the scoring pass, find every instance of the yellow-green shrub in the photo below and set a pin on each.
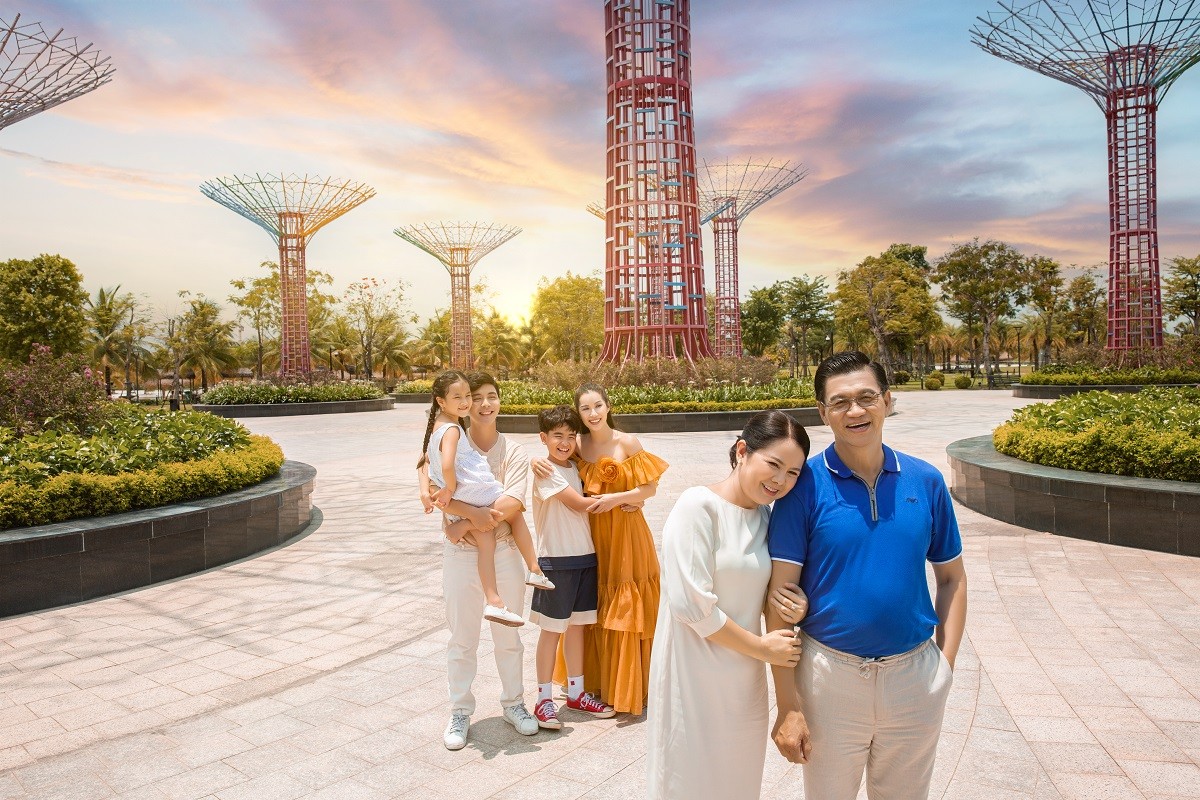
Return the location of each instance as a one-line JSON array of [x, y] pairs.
[[72, 495], [677, 406]]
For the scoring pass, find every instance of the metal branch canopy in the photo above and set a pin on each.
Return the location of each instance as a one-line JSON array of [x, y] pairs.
[[1125, 55], [290, 208], [39, 71], [728, 193], [459, 246]]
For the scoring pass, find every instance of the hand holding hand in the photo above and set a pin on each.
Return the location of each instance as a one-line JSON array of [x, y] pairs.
[[631, 507], [603, 503], [441, 498], [781, 648], [426, 502], [790, 602]]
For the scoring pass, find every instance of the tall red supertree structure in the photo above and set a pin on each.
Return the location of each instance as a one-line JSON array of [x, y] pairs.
[[1125, 55], [728, 193], [653, 271], [40, 71], [291, 209], [459, 246]]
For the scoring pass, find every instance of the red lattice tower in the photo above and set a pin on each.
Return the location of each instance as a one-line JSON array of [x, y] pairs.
[[654, 274], [291, 208], [1125, 55], [39, 71], [459, 246], [728, 193]]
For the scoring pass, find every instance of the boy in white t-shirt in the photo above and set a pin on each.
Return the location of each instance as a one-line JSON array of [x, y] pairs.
[[568, 558]]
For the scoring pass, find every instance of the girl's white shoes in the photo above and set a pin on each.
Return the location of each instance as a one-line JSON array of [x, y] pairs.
[[503, 616], [539, 581]]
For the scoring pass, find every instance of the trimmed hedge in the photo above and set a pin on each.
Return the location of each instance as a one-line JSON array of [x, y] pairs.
[[75, 494], [230, 394], [519, 409], [1152, 434], [1074, 376]]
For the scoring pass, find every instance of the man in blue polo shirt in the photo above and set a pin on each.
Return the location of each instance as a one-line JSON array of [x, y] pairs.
[[870, 690]]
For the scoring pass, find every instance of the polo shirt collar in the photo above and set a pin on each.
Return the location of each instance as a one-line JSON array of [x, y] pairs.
[[834, 463]]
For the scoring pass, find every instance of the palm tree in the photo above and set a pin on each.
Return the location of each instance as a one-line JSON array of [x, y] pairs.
[[497, 344], [394, 352], [205, 342], [432, 344], [106, 321]]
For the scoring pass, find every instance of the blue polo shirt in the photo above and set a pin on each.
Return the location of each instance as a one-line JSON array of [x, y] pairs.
[[864, 551]]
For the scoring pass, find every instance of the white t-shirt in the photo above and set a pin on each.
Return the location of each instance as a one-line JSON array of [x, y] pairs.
[[561, 531]]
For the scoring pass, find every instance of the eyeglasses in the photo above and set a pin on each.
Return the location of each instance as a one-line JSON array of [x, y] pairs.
[[840, 405]]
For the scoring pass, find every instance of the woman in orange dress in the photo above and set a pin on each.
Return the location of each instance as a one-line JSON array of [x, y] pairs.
[[619, 475]]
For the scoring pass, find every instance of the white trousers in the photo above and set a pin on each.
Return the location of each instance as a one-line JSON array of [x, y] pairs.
[[464, 616], [883, 716]]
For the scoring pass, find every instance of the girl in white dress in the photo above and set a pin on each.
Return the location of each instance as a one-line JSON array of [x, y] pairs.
[[461, 473], [708, 682]]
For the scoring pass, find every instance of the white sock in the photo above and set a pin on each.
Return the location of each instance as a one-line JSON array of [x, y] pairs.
[[545, 691], [574, 687]]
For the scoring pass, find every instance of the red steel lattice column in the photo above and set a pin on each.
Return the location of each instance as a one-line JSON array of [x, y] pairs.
[[462, 352], [728, 324], [294, 352], [653, 278], [1134, 292]]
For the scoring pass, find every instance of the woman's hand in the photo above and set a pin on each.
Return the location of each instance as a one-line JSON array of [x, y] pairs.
[[790, 602], [780, 648], [603, 503], [542, 467]]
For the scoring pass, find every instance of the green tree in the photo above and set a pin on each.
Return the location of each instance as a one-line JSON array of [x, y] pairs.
[[374, 311], [41, 301], [889, 299], [1085, 310], [1181, 293], [106, 320], [203, 341], [912, 254], [1046, 298], [567, 316], [497, 344], [806, 306], [432, 344], [985, 282], [762, 319], [258, 302]]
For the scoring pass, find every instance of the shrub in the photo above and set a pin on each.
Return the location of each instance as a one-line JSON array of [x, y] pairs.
[[933, 383], [624, 397], [1152, 434], [413, 387], [936, 374], [1062, 375], [962, 382], [900, 377], [674, 407], [50, 392], [569, 375], [70, 495], [288, 392]]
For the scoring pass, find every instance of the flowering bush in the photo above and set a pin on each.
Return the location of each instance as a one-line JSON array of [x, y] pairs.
[[50, 392], [290, 392]]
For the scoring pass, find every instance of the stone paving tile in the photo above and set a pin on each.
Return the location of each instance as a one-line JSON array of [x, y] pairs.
[[317, 670]]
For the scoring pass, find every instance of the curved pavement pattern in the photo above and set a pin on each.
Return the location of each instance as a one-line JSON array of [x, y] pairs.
[[317, 670]]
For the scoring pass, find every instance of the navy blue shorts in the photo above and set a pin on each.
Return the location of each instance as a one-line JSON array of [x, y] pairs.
[[572, 601]]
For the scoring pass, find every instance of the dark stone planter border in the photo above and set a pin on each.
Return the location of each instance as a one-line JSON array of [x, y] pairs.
[[295, 409], [82, 559], [423, 399], [1039, 392], [1134, 512], [682, 422]]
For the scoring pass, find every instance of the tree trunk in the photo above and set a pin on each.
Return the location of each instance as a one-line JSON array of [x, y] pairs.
[[987, 361]]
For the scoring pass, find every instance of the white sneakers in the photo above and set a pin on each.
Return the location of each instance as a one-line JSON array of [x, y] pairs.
[[539, 581], [455, 736], [519, 717], [503, 616]]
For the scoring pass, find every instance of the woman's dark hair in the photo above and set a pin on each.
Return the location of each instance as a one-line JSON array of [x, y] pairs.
[[598, 389], [441, 385], [843, 363], [767, 427]]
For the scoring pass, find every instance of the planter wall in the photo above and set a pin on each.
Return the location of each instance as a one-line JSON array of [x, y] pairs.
[[235, 411], [683, 422], [53, 565], [1039, 392], [423, 399], [1114, 509]]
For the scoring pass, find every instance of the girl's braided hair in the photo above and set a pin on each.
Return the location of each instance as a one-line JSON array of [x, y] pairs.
[[441, 385]]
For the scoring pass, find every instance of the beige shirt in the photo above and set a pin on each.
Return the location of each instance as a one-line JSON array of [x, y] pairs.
[[510, 464], [561, 531]]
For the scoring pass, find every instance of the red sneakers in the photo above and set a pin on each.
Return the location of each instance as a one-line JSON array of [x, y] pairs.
[[589, 704], [546, 714]]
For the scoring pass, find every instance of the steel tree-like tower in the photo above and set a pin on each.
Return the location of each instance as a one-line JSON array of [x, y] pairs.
[[654, 275], [1125, 55], [39, 71], [459, 246], [728, 193], [291, 208]]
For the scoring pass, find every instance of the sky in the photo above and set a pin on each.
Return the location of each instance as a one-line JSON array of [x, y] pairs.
[[493, 111]]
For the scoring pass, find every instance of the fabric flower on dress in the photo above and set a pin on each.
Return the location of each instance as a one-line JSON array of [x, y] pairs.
[[607, 470]]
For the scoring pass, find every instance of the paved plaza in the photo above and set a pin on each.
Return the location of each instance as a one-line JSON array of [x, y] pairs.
[[318, 670]]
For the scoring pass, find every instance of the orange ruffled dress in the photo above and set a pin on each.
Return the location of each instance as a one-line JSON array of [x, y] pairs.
[[617, 654]]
